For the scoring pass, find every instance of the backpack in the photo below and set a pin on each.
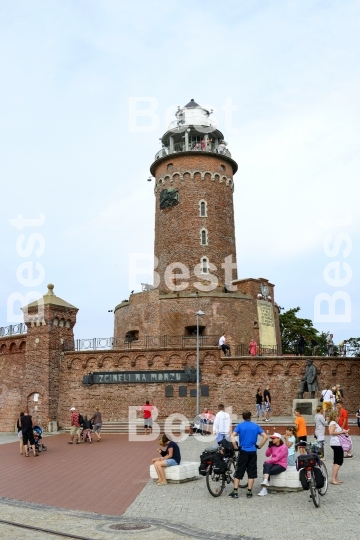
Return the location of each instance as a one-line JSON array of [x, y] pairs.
[[227, 447]]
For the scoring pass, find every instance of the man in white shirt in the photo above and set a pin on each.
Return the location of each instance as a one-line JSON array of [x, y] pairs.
[[225, 348], [222, 424]]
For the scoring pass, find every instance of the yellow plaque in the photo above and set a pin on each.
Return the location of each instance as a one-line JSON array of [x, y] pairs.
[[266, 323]]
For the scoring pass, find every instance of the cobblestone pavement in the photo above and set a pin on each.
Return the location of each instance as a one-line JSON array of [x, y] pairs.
[[181, 511]]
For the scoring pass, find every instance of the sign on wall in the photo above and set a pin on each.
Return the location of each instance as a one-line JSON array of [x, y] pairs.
[[266, 323], [121, 377]]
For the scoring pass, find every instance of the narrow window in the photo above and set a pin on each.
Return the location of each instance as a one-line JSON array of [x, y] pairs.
[[203, 209], [204, 264], [203, 237]]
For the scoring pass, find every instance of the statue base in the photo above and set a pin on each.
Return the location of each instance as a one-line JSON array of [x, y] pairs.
[[307, 407]]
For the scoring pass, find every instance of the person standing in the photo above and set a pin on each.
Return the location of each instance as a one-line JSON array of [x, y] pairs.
[[75, 430], [301, 431], [222, 424], [96, 419], [339, 393], [343, 421], [26, 424], [259, 403], [327, 397], [147, 412], [290, 441], [18, 425], [267, 403], [357, 416], [334, 431], [330, 345], [248, 433], [319, 433], [224, 346], [252, 347], [301, 345]]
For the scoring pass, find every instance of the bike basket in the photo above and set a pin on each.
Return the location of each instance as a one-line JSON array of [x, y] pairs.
[[306, 460]]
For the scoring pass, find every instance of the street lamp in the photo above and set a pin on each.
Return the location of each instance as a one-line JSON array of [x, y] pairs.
[[198, 314]]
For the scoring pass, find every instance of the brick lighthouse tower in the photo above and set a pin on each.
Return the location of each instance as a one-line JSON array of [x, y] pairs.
[[194, 216], [195, 253]]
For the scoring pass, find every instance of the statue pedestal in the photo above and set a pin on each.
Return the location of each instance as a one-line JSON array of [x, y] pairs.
[[307, 407]]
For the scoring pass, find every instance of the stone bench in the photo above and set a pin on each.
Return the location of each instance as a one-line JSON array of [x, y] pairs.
[[185, 472], [286, 481]]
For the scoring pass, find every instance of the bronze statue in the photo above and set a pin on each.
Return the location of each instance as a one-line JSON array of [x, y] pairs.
[[309, 380]]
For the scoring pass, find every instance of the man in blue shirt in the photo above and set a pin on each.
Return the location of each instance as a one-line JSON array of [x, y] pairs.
[[248, 433]]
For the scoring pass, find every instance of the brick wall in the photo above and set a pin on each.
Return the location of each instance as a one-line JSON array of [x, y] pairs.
[[12, 364], [177, 229]]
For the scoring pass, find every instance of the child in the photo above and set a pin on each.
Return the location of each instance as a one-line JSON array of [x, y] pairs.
[[86, 434], [301, 431], [290, 441]]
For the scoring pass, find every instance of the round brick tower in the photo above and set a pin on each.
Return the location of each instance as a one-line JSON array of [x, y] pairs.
[[194, 218]]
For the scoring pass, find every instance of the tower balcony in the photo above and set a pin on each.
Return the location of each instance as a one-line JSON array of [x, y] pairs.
[[200, 145]]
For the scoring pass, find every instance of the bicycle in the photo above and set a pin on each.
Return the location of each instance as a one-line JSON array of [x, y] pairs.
[[215, 480], [310, 463]]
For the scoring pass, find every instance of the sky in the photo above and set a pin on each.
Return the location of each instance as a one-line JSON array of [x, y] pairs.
[[72, 152]]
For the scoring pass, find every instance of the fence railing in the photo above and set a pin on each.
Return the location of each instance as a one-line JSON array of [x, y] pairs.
[[146, 342], [195, 146], [13, 329], [262, 350]]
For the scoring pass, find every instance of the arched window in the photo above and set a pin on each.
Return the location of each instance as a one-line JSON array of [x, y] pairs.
[[204, 265], [203, 208], [203, 237]]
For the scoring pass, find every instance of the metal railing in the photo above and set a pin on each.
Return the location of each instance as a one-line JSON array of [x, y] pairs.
[[13, 330], [146, 342], [195, 146], [262, 350]]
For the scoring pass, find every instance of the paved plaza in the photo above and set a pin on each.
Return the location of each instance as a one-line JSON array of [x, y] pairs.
[[83, 491]]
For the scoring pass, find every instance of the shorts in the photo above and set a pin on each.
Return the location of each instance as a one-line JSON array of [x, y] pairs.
[[171, 462], [28, 437], [291, 460], [247, 462], [97, 428], [267, 407], [302, 438], [338, 455], [327, 405], [75, 430], [148, 422], [20, 434]]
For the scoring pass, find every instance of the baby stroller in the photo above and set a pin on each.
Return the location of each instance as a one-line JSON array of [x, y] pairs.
[[39, 446]]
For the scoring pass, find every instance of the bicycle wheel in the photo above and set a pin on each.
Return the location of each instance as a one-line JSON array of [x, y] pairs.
[[215, 483], [314, 491], [230, 473], [323, 469]]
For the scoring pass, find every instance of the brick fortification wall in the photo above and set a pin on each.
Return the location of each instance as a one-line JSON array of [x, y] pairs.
[[12, 366], [232, 381]]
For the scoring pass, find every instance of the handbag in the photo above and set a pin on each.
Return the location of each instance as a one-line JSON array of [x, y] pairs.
[[345, 442], [322, 397]]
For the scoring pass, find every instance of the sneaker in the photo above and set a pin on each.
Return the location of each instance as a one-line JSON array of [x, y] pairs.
[[266, 420], [265, 483], [234, 495], [249, 495], [263, 492]]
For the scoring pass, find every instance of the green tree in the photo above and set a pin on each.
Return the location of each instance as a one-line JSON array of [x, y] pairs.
[[292, 327], [353, 347]]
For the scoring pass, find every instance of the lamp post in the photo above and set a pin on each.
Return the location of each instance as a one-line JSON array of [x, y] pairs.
[[198, 314]]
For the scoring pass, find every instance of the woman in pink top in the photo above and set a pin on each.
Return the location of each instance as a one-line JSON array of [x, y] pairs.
[[278, 454], [252, 347]]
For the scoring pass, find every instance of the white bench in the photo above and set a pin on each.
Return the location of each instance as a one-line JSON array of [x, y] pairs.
[[286, 481], [185, 472]]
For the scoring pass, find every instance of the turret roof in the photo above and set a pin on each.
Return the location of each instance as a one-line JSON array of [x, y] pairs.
[[51, 299], [191, 105]]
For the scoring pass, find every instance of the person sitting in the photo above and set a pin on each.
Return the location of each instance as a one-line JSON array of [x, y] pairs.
[[278, 454], [171, 458], [87, 427]]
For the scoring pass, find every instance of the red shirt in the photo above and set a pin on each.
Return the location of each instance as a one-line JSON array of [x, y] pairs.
[[75, 419], [343, 418], [147, 410]]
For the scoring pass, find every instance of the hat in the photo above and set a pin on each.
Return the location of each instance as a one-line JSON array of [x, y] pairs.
[[275, 435], [72, 409]]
